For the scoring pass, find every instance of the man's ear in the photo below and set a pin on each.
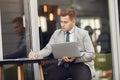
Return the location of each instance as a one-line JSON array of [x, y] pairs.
[[74, 21]]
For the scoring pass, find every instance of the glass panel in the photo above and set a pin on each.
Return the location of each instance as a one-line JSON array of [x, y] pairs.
[[91, 15], [13, 34], [13, 29]]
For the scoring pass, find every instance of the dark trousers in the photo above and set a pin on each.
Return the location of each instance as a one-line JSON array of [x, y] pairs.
[[77, 71]]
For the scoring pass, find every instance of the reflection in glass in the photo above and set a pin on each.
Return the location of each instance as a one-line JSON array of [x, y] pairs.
[[13, 34], [20, 51]]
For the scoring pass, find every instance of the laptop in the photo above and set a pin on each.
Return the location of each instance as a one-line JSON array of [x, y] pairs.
[[69, 49]]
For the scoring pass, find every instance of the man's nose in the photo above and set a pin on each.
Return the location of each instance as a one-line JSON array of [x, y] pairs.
[[63, 24]]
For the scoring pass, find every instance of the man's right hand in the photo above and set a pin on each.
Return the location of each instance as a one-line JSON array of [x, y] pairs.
[[66, 59], [33, 55]]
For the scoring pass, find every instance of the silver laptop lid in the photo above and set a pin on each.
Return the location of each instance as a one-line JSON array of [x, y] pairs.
[[69, 49]]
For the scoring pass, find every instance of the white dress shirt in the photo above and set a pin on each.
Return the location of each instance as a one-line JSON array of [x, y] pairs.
[[71, 35]]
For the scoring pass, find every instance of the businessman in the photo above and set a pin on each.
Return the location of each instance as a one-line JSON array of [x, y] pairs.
[[80, 68]]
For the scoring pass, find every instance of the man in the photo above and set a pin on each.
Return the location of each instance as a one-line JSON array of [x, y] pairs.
[[81, 68], [20, 51]]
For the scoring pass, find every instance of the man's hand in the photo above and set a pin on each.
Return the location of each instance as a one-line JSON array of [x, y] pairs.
[[66, 59], [32, 55]]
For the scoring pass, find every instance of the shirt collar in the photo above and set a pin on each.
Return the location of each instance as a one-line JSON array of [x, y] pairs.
[[72, 30]]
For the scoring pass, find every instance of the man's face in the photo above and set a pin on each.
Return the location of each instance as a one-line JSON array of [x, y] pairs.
[[17, 27], [66, 23]]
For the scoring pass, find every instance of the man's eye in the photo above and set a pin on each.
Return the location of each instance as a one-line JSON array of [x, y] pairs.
[[65, 22]]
